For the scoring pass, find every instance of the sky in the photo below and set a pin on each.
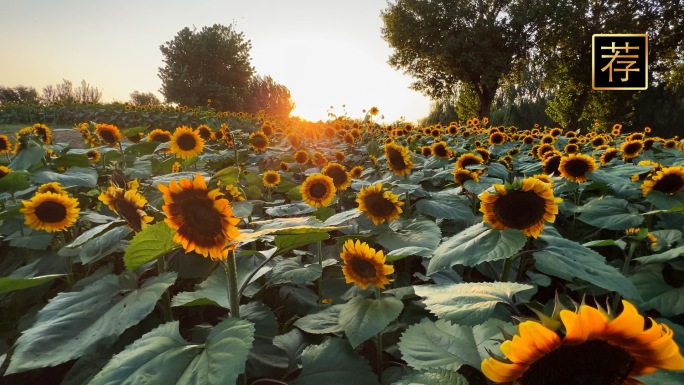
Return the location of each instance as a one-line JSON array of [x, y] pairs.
[[328, 53]]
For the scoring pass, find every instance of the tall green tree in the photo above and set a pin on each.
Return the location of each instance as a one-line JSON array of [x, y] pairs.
[[442, 43], [18, 94], [267, 95], [210, 64]]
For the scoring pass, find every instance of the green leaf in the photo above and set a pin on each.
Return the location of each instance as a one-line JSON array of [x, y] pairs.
[[93, 232], [228, 175], [74, 176], [664, 201], [290, 210], [286, 243], [103, 245], [439, 345], [448, 204], [468, 303], [163, 357], [662, 257], [404, 252], [74, 323], [605, 242], [141, 169], [656, 293], [142, 148], [242, 209], [149, 244], [14, 181], [292, 271], [324, 322], [362, 318], [404, 232], [569, 260], [210, 292], [72, 160], [475, 245], [663, 377], [27, 158], [433, 377], [342, 217], [8, 284], [610, 213], [331, 361]]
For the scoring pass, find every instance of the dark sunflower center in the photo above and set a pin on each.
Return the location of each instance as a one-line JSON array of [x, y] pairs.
[[201, 216], [461, 178], [108, 136], [608, 156], [396, 159], [576, 167], [259, 141], [161, 138], [632, 148], [51, 212], [187, 142], [496, 138], [270, 178], [362, 267], [129, 212], [379, 206], [519, 209], [469, 161], [4, 144], [338, 175], [551, 165], [205, 134], [318, 190], [669, 184], [594, 362], [440, 151]]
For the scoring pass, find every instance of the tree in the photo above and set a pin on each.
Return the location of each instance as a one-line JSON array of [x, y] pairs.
[[66, 93], [143, 98], [18, 94], [442, 43], [265, 94], [212, 64]]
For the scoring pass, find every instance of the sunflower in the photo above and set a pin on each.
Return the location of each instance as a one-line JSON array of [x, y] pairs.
[[608, 155], [547, 139], [486, 155], [4, 170], [50, 212], [176, 167], [669, 180], [550, 164], [319, 159], [301, 157], [186, 143], [258, 141], [571, 148], [349, 139], [364, 265], [5, 144], [356, 172], [233, 194], [340, 156], [267, 129], [373, 160], [94, 155], [528, 139], [441, 150], [284, 166], [43, 132], [318, 190], [341, 178], [53, 187], [543, 149], [379, 206], [462, 175], [631, 149], [555, 132], [497, 138], [203, 219], [109, 133], [271, 178], [398, 159], [574, 167], [469, 159], [524, 206], [597, 348], [374, 111], [544, 178], [128, 205], [205, 132], [159, 135]]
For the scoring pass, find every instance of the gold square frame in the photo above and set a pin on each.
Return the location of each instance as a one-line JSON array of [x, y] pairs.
[[593, 69]]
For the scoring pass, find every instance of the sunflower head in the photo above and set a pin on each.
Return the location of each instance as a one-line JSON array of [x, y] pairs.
[[319, 159], [669, 180], [497, 138], [53, 187], [441, 150], [108, 133], [469, 159], [128, 204], [203, 219], [186, 143], [271, 178], [205, 132], [356, 172], [574, 167], [364, 266], [258, 141], [50, 212], [4, 170], [398, 159], [159, 135], [43, 132], [5, 144], [341, 178], [462, 175], [608, 155], [318, 190], [524, 206], [595, 347], [380, 206]]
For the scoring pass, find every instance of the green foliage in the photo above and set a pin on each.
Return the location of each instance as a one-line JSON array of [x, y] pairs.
[[332, 360], [267, 95], [362, 318]]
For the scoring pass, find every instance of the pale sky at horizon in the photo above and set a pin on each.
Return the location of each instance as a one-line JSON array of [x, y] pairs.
[[328, 53]]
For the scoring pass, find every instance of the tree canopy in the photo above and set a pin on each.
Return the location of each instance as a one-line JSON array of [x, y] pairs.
[[267, 95]]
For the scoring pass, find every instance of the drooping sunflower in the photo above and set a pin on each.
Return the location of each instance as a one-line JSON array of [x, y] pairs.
[[50, 212], [524, 206], [5, 144], [159, 135], [108, 133], [462, 175], [186, 143], [486, 155], [271, 178], [597, 348], [398, 159], [318, 190], [364, 265], [341, 178], [631, 149], [550, 165], [608, 155], [93, 155], [543, 149], [44, 132], [574, 167], [380, 206], [128, 204], [669, 180], [4, 170], [203, 219], [53, 187], [258, 141]]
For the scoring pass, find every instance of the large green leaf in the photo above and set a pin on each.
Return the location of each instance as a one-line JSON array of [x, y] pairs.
[[475, 245], [332, 361], [149, 244], [610, 213], [569, 260], [448, 204], [433, 377], [404, 232], [656, 293], [93, 232], [8, 284], [292, 271], [103, 245], [362, 318], [664, 201], [290, 210], [286, 242], [468, 303], [72, 160], [14, 181], [342, 217], [662, 257], [324, 322], [27, 158], [163, 357], [74, 176], [73, 323]]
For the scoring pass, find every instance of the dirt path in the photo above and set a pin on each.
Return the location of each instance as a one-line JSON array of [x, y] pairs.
[[72, 137]]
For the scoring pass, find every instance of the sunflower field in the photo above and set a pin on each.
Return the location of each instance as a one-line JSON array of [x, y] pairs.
[[257, 250]]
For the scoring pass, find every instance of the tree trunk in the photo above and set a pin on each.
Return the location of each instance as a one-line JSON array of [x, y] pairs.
[[486, 96], [579, 109]]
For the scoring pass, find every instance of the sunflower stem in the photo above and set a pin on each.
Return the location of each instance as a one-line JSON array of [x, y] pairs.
[[319, 253], [408, 204], [625, 269], [166, 298], [507, 268], [378, 341], [231, 276]]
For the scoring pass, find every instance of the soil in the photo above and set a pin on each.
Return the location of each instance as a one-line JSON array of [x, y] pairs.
[[69, 136]]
